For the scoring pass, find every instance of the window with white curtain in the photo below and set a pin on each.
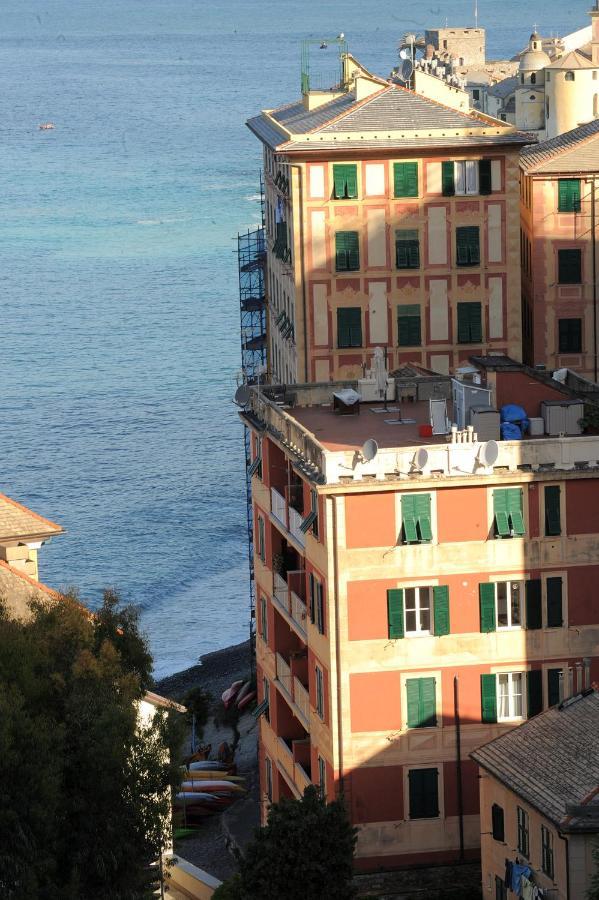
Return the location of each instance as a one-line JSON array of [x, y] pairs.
[[466, 177], [510, 695]]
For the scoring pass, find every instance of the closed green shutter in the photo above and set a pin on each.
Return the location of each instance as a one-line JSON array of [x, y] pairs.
[[486, 592], [569, 335], [534, 690], [407, 248], [552, 511], [568, 195], [395, 613], [476, 328], [421, 702], [555, 616], [534, 605], [500, 512], [484, 177], [447, 179], [463, 323], [470, 323], [408, 517], [424, 793], [347, 251], [488, 692], [569, 264], [405, 179], [345, 180], [467, 245], [349, 327], [408, 325], [422, 511], [553, 686], [413, 702], [441, 609]]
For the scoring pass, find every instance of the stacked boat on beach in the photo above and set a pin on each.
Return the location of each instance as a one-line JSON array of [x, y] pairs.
[[208, 787]]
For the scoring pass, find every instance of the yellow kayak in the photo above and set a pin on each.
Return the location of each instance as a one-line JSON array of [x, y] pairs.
[[212, 776]]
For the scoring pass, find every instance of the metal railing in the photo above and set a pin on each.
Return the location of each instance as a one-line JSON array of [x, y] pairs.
[[295, 520], [299, 611], [301, 698], [284, 675], [278, 507]]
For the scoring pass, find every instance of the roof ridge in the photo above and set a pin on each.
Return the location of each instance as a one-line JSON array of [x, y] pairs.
[[32, 581], [445, 106], [346, 112], [30, 512], [563, 143]]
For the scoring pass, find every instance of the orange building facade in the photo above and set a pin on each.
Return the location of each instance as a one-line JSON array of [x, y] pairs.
[[413, 607]]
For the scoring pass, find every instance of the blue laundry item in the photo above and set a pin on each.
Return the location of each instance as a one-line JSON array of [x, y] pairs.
[[513, 413], [517, 872], [510, 431]]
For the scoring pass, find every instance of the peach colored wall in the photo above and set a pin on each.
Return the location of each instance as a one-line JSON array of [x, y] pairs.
[[377, 794], [370, 520], [367, 609], [582, 503], [375, 699], [462, 514]]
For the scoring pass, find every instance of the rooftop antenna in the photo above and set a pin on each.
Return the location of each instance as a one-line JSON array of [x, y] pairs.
[[476, 13]]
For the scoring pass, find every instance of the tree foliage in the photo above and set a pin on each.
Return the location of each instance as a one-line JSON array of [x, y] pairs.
[[84, 785], [305, 850]]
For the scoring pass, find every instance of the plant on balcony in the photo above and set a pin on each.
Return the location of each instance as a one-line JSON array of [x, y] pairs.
[[305, 851], [279, 564]]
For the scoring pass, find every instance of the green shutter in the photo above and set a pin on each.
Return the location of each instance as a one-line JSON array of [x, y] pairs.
[[312, 601], [486, 592], [407, 249], [421, 702], [408, 325], [408, 516], [422, 510], [413, 702], [534, 690], [470, 323], [488, 692], [467, 245], [345, 180], [534, 606], [514, 501], [552, 511], [476, 329], [441, 609], [347, 251], [568, 195], [463, 323], [555, 618], [395, 613], [349, 327], [447, 179], [569, 266], [405, 179], [500, 512], [484, 177], [553, 686], [424, 793]]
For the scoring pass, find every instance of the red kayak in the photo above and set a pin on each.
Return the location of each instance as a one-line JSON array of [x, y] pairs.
[[230, 694]]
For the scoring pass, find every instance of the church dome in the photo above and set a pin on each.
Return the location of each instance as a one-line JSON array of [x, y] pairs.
[[533, 61]]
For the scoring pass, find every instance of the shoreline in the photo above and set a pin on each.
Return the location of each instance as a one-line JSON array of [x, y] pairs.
[[215, 671]]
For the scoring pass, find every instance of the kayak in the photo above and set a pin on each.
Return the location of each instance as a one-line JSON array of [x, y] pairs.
[[210, 786], [245, 701], [243, 691], [212, 776], [229, 695], [210, 764]]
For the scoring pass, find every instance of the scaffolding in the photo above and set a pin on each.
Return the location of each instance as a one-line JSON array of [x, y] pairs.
[[251, 256]]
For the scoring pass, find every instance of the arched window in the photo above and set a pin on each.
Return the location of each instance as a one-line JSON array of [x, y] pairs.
[[533, 78], [569, 76]]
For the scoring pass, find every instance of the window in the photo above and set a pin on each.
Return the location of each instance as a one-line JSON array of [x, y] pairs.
[[319, 606], [497, 824], [408, 326], [311, 520], [569, 76], [523, 841], [500, 888], [547, 852], [418, 611], [510, 695], [345, 182], [349, 327], [256, 467], [467, 245], [470, 329], [322, 777], [507, 511], [266, 701], [554, 686], [347, 251], [319, 692], [405, 179], [466, 177], [568, 195], [312, 597], [569, 266], [268, 778], [407, 249], [416, 518], [508, 603], [261, 541], [553, 526], [421, 702], [476, 93], [424, 793], [263, 619], [570, 335], [555, 616]]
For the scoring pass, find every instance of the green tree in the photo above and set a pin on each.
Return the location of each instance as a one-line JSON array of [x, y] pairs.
[[305, 850], [84, 784]]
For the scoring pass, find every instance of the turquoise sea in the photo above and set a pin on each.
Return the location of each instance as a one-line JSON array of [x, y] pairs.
[[119, 314]]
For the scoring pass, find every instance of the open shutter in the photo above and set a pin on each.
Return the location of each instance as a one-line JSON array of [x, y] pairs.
[[514, 500], [534, 689], [484, 177], [534, 608], [441, 609], [488, 692], [408, 516], [555, 617], [345, 180], [351, 181], [500, 511], [340, 251], [553, 686], [413, 702], [422, 511], [487, 607], [552, 511], [353, 251], [312, 598], [395, 613], [447, 179], [428, 703]]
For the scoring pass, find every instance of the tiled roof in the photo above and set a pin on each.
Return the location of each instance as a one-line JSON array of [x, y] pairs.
[[18, 522], [17, 589], [551, 761], [411, 142], [573, 151], [572, 60], [298, 120], [503, 88]]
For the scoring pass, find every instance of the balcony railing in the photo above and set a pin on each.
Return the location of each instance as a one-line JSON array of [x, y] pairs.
[[301, 698], [284, 675], [278, 507], [295, 520], [288, 601], [299, 611]]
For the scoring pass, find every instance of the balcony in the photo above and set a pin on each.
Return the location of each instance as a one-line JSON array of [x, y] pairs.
[[295, 520], [293, 761], [289, 602], [293, 690], [301, 698], [287, 516], [278, 507]]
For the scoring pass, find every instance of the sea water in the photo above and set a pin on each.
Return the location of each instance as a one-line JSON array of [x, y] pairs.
[[119, 314]]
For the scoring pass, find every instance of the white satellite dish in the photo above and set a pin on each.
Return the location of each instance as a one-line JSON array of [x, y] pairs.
[[369, 450], [421, 458], [242, 395], [488, 453], [404, 54]]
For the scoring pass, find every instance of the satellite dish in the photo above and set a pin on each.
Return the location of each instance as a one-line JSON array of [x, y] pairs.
[[242, 395], [404, 54], [489, 453], [421, 458], [406, 71], [370, 449]]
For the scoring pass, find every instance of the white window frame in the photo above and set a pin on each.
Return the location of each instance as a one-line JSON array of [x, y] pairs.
[[510, 626], [511, 717], [319, 692], [466, 178], [419, 632]]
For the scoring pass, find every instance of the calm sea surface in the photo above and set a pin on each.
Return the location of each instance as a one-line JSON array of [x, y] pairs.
[[119, 315]]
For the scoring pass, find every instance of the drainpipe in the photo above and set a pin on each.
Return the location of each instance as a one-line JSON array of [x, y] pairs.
[[300, 184], [565, 840], [458, 752], [334, 501]]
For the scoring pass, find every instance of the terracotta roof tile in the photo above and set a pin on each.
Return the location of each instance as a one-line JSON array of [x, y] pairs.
[[18, 522]]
